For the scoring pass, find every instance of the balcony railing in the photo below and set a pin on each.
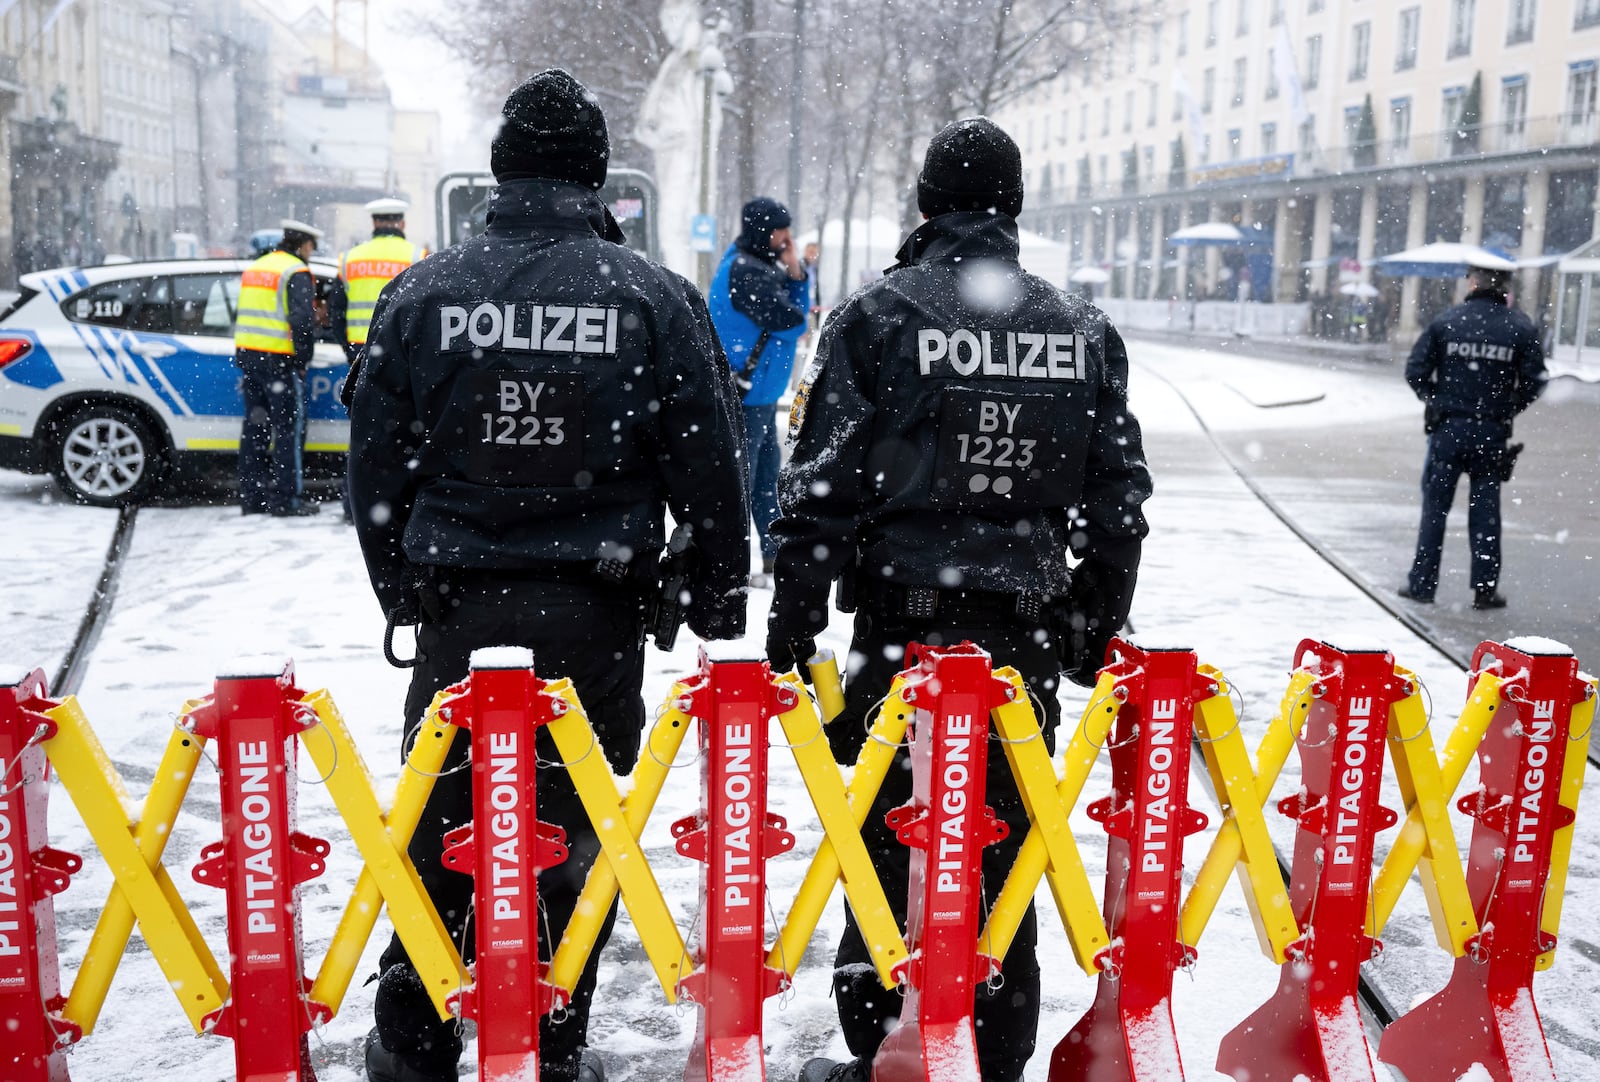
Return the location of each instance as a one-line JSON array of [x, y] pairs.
[[1484, 140], [1475, 141]]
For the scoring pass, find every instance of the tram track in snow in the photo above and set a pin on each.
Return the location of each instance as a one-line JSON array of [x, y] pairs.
[[68, 676]]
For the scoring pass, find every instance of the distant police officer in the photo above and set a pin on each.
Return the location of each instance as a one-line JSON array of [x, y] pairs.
[[530, 403], [368, 267], [1475, 368], [273, 339], [963, 425]]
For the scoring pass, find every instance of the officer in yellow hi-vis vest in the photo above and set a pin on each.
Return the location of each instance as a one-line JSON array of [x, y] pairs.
[[367, 268], [273, 338]]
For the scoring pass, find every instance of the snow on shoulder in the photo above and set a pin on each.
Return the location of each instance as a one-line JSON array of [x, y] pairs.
[[502, 657]]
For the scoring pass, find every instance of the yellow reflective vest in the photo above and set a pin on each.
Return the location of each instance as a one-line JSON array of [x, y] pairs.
[[263, 321], [366, 269]]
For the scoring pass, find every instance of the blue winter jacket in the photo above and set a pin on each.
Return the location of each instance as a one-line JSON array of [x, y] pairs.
[[752, 293]]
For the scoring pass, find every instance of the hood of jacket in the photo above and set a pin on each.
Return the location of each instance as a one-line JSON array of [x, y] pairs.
[[521, 205], [962, 234]]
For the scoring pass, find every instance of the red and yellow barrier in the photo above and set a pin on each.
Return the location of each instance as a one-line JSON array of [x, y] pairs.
[[1528, 717]]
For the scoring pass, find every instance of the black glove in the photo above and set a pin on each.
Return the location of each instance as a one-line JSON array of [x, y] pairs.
[[787, 652], [1095, 608]]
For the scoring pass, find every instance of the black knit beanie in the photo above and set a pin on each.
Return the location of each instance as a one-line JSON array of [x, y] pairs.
[[763, 213], [971, 165], [553, 129]]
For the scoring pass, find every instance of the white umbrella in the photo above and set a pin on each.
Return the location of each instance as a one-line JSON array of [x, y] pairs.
[[1442, 259], [1093, 276], [1207, 233], [1358, 289]]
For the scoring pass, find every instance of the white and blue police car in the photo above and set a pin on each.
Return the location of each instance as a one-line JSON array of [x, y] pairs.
[[115, 379]]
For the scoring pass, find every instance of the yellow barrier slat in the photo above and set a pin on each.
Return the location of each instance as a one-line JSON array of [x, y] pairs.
[[650, 772], [1579, 730], [1049, 833], [387, 874], [115, 927], [1242, 843], [86, 771], [1444, 883], [1413, 842], [597, 788], [1033, 856], [843, 853], [825, 678]]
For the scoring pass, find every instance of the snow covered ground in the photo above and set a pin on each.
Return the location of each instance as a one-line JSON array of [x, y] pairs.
[[203, 586]]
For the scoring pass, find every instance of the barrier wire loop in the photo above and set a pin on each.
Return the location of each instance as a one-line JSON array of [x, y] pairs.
[[1479, 950], [40, 733], [1238, 718], [1427, 712], [332, 743], [682, 706], [410, 742]]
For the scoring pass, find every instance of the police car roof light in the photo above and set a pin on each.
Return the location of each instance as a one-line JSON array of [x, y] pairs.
[[13, 349]]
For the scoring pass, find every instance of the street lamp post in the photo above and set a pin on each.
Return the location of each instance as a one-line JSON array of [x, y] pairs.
[[711, 66]]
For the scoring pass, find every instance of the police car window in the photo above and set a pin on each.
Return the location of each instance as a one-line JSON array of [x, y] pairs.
[[204, 303], [110, 304], [154, 312]]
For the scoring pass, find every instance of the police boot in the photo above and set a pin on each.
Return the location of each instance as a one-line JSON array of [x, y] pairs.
[[386, 1066], [1487, 597], [822, 1069]]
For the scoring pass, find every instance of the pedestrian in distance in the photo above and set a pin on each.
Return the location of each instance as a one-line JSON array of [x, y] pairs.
[[963, 426], [273, 338], [1475, 368], [759, 300], [529, 405]]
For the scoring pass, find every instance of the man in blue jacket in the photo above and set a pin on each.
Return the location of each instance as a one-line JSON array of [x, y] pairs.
[[758, 300]]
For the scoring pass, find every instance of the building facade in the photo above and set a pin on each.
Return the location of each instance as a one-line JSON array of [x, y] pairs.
[[162, 128], [1343, 130]]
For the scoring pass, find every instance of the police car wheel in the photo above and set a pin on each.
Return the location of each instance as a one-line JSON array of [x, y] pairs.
[[106, 455]]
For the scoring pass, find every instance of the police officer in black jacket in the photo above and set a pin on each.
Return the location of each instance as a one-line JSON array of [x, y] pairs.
[[530, 403], [1475, 368], [963, 426]]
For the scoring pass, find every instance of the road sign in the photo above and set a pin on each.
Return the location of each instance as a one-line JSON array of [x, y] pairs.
[[703, 232]]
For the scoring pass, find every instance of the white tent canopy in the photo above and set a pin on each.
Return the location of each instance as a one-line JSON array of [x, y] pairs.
[[873, 245], [1442, 259]]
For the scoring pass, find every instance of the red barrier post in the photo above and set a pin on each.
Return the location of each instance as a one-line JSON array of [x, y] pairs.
[[1311, 1026], [1127, 1035], [733, 836], [253, 721], [504, 848], [1487, 1007], [947, 824], [31, 874]]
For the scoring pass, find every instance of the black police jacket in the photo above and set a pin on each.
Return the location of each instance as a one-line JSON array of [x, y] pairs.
[[964, 424], [534, 398], [1481, 359]]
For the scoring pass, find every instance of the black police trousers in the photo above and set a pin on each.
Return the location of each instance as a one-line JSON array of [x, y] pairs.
[[590, 632], [1461, 445], [1006, 1013]]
